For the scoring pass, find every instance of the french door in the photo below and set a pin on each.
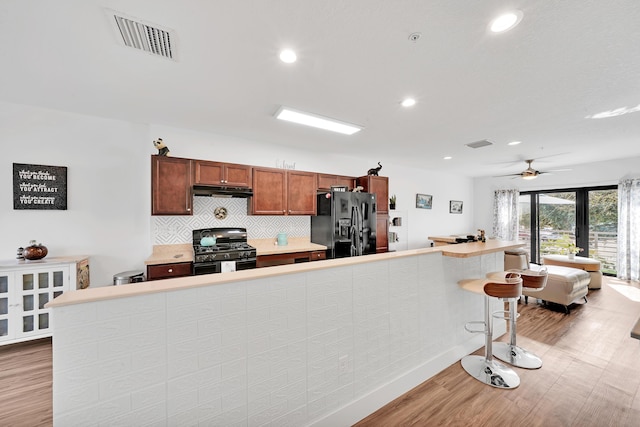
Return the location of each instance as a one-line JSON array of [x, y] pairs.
[[554, 221]]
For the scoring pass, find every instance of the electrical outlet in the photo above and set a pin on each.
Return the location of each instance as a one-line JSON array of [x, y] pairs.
[[343, 363]]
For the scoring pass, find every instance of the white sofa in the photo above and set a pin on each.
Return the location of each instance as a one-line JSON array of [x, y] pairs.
[[565, 285]]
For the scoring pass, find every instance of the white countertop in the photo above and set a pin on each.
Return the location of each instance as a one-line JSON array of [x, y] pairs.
[[48, 260], [462, 250], [296, 244]]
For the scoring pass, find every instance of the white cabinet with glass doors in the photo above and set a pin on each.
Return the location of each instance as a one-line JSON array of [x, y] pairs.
[[23, 294]]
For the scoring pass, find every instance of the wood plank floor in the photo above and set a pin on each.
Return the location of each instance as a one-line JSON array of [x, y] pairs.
[[590, 376]]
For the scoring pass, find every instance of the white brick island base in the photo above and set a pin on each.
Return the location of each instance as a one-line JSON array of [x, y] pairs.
[[323, 343]]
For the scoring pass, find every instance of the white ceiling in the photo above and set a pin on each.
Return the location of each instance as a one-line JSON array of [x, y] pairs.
[[567, 59]]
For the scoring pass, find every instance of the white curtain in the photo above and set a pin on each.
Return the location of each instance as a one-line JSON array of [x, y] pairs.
[[505, 214], [629, 229]]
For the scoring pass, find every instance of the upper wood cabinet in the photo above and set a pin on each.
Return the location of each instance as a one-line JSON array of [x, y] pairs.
[[269, 192], [221, 174], [283, 192], [326, 181], [171, 186], [378, 185], [301, 193]]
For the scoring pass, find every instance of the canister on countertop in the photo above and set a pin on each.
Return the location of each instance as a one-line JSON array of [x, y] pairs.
[[126, 277], [282, 239]]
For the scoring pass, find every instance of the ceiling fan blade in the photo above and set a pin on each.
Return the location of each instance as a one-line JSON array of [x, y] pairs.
[[510, 174]]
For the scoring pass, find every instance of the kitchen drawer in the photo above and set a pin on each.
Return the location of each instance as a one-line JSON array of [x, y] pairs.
[[167, 271], [317, 255]]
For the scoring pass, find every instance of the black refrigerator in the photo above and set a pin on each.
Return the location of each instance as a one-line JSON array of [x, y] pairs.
[[345, 223]]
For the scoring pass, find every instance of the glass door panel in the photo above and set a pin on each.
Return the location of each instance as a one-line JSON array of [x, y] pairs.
[[603, 228], [557, 219], [524, 222]]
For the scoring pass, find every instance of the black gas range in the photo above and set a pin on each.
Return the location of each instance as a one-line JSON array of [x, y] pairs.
[[218, 250]]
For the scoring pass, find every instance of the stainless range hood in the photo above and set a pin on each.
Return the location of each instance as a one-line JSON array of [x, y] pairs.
[[210, 191]]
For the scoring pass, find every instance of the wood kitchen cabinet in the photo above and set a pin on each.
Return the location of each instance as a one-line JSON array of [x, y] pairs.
[[168, 271], [221, 174], [382, 233], [289, 258], [283, 192], [171, 183], [326, 181], [379, 185]]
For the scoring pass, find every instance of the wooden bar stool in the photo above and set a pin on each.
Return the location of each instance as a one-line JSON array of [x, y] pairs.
[[486, 369], [509, 352]]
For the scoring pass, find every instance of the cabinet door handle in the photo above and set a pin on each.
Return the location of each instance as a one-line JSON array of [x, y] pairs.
[[170, 270]]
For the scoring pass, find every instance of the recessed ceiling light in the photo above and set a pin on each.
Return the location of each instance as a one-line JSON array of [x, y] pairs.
[[506, 21], [316, 121], [514, 142], [288, 56], [447, 157], [408, 102]]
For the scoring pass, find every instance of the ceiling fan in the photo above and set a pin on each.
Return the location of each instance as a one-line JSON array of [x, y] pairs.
[[531, 173]]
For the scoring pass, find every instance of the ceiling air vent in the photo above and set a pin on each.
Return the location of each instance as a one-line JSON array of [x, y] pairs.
[[145, 37], [479, 144]]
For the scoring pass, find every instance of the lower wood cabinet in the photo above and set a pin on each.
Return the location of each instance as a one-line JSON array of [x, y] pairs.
[[382, 233], [289, 258], [169, 271]]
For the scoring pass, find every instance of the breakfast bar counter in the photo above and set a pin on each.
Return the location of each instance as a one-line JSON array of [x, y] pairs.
[[318, 343]]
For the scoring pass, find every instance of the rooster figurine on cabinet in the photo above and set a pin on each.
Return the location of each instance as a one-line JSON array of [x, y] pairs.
[[163, 150]]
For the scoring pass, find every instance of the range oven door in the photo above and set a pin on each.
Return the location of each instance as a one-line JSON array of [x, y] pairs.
[[216, 266]]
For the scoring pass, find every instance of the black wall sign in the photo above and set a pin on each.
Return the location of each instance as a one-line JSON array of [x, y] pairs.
[[39, 187]]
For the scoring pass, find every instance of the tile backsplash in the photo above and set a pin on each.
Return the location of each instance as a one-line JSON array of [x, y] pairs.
[[167, 230]]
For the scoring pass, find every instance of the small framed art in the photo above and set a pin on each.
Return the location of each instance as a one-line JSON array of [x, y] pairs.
[[424, 201], [455, 206]]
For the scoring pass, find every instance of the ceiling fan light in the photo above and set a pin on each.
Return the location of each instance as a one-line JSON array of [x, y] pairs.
[[529, 177]]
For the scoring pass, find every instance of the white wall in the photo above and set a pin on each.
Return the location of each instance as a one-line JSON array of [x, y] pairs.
[[108, 176], [585, 175], [108, 215]]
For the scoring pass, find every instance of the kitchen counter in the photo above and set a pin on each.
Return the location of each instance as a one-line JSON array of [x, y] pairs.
[[296, 244], [168, 254], [447, 240], [279, 325], [471, 249], [462, 250]]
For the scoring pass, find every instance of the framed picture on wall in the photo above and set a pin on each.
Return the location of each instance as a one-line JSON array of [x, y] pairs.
[[424, 201], [455, 206]]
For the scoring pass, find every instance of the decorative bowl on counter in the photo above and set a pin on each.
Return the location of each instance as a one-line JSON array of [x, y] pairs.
[[35, 251]]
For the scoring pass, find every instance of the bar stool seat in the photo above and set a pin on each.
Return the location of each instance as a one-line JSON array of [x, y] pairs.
[[532, 281], [484, 368]]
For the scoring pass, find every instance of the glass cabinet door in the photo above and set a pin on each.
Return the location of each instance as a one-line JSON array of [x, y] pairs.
[[5, 303], [36, 288]]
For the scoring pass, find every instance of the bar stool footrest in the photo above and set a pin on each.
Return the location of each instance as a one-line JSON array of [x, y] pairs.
[[467, 327]]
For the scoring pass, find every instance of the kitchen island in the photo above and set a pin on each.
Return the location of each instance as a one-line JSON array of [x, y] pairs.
[[321, 343]]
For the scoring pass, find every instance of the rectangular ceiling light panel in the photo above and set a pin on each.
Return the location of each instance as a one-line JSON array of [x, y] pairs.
[[144, 37], [316, 121]]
